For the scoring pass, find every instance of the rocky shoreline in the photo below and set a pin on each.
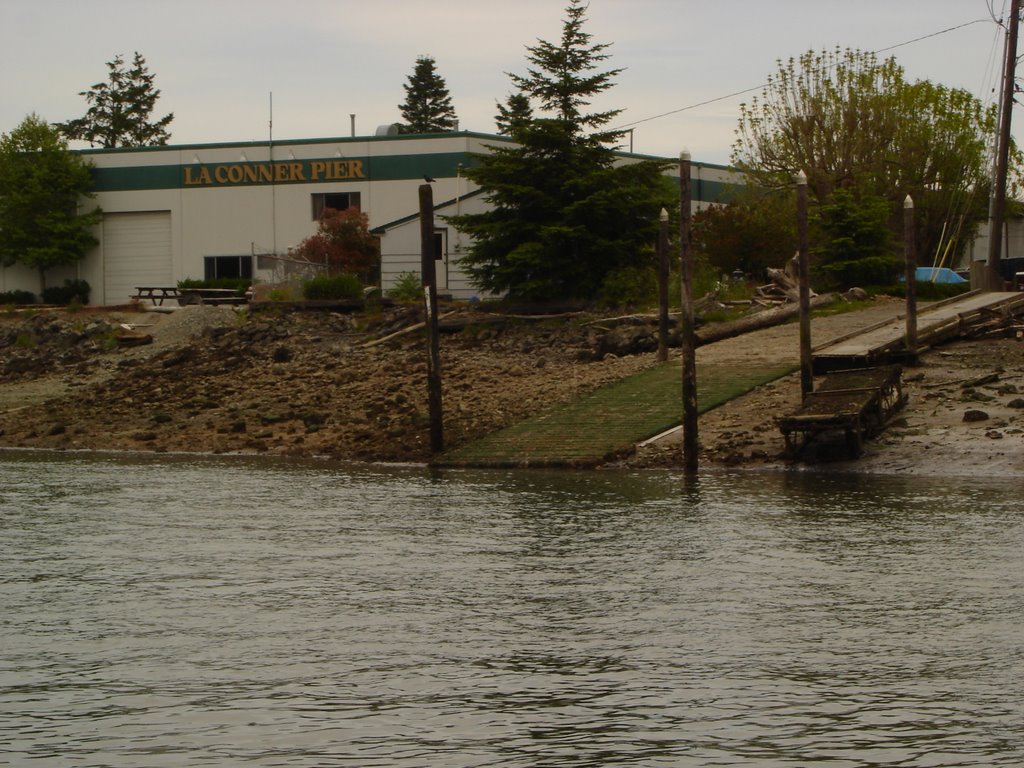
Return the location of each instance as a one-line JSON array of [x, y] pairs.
[[218, 380]]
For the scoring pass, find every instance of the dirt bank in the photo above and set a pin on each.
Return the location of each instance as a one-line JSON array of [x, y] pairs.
[[301, 383], [216, 380]]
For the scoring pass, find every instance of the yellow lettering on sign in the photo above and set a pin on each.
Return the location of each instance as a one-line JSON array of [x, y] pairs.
[[339, 169], [271, 173], [202, 179]]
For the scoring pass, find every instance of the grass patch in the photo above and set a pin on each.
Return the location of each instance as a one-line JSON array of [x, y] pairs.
[[609, 421]]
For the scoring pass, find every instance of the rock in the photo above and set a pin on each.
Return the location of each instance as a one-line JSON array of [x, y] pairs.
[[973, 415], [855, 294], [1016, 403]]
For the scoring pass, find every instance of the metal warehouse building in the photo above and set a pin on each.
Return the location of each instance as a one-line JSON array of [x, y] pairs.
[[227, 210]]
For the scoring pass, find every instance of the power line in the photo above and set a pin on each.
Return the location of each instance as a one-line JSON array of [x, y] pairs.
[[764, 85]]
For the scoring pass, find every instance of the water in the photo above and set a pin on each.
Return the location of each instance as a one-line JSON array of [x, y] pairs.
[[210, 612]]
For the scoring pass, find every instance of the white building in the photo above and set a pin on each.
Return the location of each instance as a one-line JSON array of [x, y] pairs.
[[225, 210]]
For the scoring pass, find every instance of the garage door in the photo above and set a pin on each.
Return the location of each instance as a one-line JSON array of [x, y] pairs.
[[136, 251]]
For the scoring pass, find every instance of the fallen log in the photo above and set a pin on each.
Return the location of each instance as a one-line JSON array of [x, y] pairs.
[[718, 331], [403, 331]]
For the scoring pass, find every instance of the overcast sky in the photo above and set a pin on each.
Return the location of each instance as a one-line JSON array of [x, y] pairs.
[[217, 61]]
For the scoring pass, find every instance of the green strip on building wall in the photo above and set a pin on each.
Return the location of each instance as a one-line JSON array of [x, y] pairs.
[[247, 174]]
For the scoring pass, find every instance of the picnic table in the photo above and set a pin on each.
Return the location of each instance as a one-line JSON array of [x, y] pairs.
[[155, 293], [184, 296]]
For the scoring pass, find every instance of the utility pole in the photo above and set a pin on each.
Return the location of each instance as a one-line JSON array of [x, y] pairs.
[[1003, 146]]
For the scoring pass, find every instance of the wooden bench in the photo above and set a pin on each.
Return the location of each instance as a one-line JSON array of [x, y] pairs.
[[210, 296]]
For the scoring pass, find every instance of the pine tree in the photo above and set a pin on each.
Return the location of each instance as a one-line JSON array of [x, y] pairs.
[[563, 217], [428, 106], [42, 184], [119, 112], [514, 114]]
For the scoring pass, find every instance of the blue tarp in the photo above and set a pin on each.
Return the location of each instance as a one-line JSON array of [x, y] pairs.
[[937, 275]]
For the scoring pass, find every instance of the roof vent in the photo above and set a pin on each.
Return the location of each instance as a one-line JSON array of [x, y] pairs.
[[388, 129]]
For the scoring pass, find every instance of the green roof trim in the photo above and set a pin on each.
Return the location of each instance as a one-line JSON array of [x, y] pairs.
[[289, 143]]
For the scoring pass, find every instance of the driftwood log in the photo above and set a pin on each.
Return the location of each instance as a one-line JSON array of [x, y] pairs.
[[718, 331]]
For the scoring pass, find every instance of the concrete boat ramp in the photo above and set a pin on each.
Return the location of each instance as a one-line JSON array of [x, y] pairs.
[[886, 341]]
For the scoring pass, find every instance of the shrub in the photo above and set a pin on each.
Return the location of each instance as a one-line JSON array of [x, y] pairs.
[[71, 291], [333, 287], [240, 284], [17, 297], [407, 288]]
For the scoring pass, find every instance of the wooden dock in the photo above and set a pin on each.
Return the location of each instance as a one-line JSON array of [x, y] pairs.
[[886, 342]]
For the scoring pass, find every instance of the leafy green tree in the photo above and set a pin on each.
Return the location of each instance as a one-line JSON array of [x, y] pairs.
[[853, 122], [563, 216], [428, 105], [42, 186], [513, 115], [120, 109]]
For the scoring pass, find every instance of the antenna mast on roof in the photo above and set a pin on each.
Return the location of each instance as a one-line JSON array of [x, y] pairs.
[[273, 187]]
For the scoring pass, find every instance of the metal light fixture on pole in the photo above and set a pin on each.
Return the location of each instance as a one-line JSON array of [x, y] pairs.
[[803, 260]]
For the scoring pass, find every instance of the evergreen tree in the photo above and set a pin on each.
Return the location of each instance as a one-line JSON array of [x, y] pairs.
[[514, 114], [119, 111], [562, 216], [428, 106], [41, 186]]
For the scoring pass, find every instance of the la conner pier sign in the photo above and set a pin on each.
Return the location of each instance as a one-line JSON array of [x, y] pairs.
[[292, 171]]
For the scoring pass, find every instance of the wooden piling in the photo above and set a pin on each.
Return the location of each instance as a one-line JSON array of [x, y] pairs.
[[429, 281], [911, 276], [663, 286], [690, 441], [806, 359]]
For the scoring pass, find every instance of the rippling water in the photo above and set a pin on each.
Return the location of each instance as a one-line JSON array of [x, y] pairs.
[[172, 612]]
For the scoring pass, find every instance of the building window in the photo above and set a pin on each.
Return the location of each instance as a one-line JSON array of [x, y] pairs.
[[339, 201], [217, 267]]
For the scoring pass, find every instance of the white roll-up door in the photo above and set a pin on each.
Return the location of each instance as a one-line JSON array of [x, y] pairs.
[[136, 252]]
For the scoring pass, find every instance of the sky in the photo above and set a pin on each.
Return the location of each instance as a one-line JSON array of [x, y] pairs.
[[217, 62]]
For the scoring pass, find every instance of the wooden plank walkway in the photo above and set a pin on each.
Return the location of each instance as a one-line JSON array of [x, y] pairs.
[[939, 322]]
